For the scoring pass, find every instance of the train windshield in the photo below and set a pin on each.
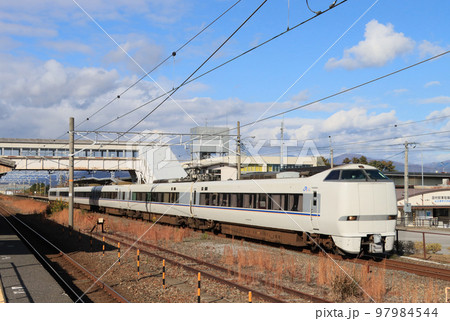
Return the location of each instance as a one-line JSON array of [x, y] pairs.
[[353, 174], [356, 175], [376, 174]]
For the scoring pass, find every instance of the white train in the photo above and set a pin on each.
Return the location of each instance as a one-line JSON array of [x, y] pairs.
[[351, 208]]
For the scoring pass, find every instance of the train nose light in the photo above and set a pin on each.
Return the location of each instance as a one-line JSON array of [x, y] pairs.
[[352, 218]]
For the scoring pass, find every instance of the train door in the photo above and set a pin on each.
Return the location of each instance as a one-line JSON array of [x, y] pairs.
[[314, 212], [148, 203], [192, 201]]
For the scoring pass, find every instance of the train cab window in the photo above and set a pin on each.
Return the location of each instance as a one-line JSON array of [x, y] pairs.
[[333, 176], [353, 174], [376, 175]]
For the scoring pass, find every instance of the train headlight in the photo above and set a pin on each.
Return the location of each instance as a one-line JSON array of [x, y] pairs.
[[392, 217], [352, 218]]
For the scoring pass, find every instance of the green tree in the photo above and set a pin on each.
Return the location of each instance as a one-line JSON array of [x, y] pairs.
[[324, 161], [384, 166], [363, 160], [346, 160]]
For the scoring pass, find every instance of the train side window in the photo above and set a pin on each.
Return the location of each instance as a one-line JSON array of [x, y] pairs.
[[276, 202], [233, 200], [333, 176], [224, 199], [166, 197], [295, 202], [205, 199], [175, 197], [202, 198], [236, 199], [214, 199], [262, 201], [247, 201]]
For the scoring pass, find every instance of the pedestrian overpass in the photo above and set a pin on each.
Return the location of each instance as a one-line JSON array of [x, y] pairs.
[[53, 155]]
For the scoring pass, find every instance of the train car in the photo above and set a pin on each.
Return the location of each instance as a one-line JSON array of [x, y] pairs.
[[351, 208]]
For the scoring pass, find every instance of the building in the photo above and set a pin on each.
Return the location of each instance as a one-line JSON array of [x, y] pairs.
[[429, 207], [428, 195], [225, 168]]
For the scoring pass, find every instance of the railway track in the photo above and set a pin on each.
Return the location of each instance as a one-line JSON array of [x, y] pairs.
[[219, 273], [79, 283], [418, 269], [287, 296]]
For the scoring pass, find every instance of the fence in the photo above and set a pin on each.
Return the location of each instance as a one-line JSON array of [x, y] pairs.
[[434, 222], [406, 243]]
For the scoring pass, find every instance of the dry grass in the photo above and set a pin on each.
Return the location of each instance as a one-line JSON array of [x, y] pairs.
[[25, 206]]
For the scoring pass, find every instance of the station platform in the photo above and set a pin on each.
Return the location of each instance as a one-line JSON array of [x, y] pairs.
[[22, 277]]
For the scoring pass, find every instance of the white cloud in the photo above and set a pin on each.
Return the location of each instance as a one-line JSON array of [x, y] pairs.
[[436, 100], [301, 96], [381, 45], [144, 52], [159, 11], [356, 118], [16, 29], [427, 48], [432, 83], [46, 84], [68, 46], [399, 91], [439, 113]]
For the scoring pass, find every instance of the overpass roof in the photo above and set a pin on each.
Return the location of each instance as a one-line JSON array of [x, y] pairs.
[[36, 141], [7, 163]]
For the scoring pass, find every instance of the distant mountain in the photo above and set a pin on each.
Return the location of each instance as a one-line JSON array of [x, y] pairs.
[[432, 167]]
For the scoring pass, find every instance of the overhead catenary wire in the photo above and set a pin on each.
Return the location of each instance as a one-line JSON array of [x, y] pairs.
[[218, 66], [172, 55], [341, 92], [353, 88], [198, 68]]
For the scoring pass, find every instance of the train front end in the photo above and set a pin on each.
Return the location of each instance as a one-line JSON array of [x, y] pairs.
[[366, 209]]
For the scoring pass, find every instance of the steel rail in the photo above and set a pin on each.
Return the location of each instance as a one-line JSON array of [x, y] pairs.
[[114, 294], [111, 292], [302, 295]]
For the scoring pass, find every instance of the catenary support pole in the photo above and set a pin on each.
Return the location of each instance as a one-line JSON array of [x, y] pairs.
[[238, 147], [71, 165]]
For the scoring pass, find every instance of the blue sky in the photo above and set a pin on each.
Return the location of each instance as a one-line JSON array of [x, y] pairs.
[[55, 62]]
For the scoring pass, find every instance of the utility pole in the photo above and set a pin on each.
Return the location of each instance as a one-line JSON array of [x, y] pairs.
[[71, 165], [238, 150], [407, 206], [331, 154], [282, 146]]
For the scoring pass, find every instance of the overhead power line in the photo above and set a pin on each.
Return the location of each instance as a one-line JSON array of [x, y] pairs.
[[173, 54], [217, 67], [198, 68]]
